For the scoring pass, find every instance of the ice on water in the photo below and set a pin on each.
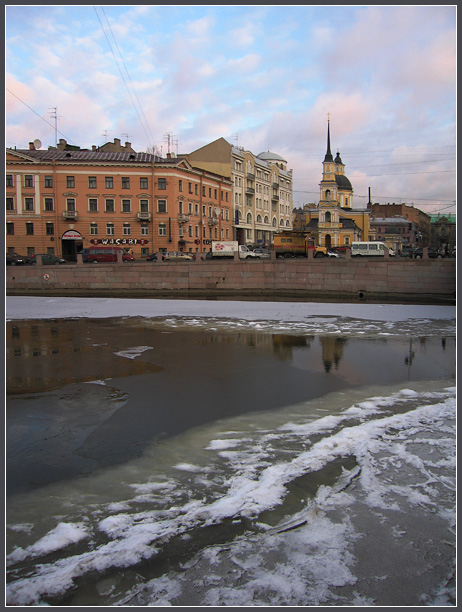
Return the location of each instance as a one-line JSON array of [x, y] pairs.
[[329, 502]]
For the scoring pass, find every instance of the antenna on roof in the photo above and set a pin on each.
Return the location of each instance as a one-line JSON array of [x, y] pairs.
[[54, 116], [105, 136]]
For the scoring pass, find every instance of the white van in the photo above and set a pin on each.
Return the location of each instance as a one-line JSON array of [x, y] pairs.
[[370, 248]]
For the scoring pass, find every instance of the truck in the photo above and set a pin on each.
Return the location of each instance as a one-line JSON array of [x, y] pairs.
[[227, 248], [296, 244]]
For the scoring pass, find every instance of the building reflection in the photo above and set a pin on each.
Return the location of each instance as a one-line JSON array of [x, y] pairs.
[[44, 355], [332, 351]]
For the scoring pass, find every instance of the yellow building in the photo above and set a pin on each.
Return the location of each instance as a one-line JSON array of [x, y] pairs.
[[333, 221]]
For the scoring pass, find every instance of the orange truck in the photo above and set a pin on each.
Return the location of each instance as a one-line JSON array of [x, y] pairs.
[[294, 244]]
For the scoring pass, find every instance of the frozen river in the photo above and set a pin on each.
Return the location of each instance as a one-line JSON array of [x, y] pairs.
[[202, 453]]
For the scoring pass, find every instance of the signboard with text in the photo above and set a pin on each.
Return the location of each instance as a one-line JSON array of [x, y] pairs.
[[119, 241]]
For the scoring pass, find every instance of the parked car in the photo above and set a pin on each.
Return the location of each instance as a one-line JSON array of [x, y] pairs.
[[13, 259], [107, 254], [262, 253], [333, 254], [47, 260], [432, 253], [177, 256], [340, 249], [152, 257]]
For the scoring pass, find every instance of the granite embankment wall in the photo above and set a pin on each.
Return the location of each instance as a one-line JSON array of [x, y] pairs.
[[425, 280]]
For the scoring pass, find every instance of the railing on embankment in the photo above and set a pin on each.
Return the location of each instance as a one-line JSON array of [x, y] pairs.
[[390, 279]]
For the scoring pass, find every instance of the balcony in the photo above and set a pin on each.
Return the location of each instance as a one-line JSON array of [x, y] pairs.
[[275, 185], [143, 216], [250, 190], [275, 197], [183, 218], [250, 176], [213, 221], [70, 214]]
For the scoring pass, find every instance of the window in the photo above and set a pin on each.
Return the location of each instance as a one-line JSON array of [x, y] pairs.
[[144, 229], [143, 182], [9, 203], [180, 185], [109, 205], [162, 206], [92, 182], [49, 205], [48, 181], [126, 206], [70, 204], [50, 229], [9, 180], [203, 192], [162, 229], [216, 194], [125, 182], [28, 180], [180, 207], [162, 183], [10, 229], [190, 231], [93, 229], [109, 182], [190, 187], [29, 204], [196, 209], [190, 208], [210, 192], [93, 205], [29, 229], [110, 229], [144, 206], [70, 181], [126, 229], [196, 189]]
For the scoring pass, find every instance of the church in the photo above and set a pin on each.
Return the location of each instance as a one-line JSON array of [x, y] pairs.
[[333, 221]]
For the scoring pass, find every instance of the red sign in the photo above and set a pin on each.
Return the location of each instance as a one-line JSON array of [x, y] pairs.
[[119, 241], [72, 235]]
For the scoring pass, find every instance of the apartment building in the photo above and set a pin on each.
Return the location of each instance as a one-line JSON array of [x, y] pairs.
[[60, 201], [262, 189]]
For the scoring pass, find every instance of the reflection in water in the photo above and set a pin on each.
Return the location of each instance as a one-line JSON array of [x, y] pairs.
[[332, 351], [47, 355]]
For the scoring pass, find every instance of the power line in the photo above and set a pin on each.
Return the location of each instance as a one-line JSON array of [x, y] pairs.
[[149, 138], [22, 101]]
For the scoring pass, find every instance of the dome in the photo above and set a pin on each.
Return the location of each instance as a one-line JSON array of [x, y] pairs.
[[343, 182], [268, 156]]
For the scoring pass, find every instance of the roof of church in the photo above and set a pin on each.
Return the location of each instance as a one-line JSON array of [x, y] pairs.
[[343, 182]]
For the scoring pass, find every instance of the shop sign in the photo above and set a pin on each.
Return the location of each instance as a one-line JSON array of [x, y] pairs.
[[72, 235], [119, 241]]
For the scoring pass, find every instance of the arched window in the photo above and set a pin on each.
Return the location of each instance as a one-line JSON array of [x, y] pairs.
[[287, 223], [275, 223], [249, 218], [327, 217], [327, 194], [258, 218], [266, 220], [281, 222]]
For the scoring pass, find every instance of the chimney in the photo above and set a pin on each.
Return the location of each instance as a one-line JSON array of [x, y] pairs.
[[31, 146], [117, 141], [93, 147]]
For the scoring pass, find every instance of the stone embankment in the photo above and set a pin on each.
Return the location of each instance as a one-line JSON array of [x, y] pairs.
[[388, 279]]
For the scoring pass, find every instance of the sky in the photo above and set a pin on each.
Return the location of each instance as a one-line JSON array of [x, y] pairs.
[[265, 78]]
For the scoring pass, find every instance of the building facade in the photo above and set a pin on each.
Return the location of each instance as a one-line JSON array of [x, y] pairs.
[[443, 231], [419, 222], [333, 221], [262, 189], [60, 201]]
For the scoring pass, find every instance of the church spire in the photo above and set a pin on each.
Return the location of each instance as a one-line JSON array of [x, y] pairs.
[[328, 157]]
